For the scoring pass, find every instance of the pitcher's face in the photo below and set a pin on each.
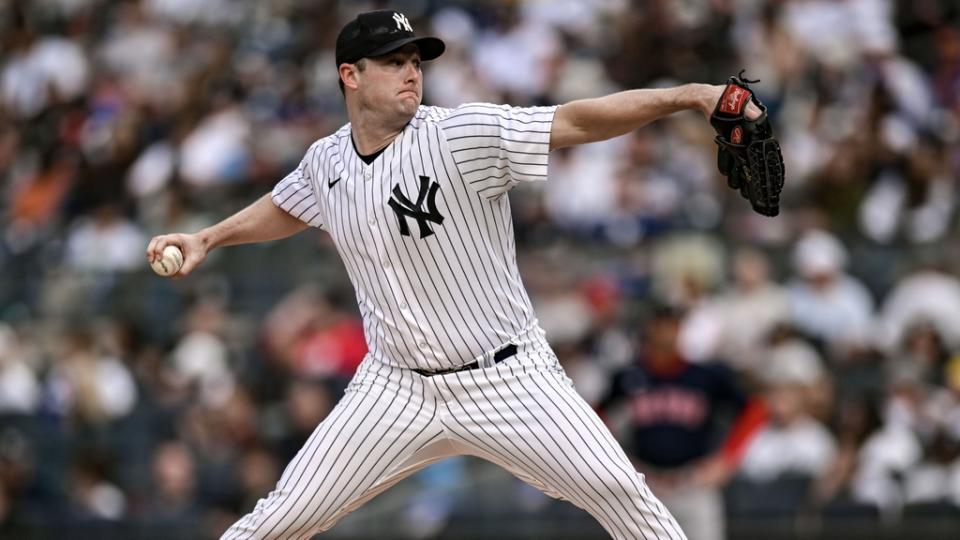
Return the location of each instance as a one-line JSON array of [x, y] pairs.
[[392, 84]]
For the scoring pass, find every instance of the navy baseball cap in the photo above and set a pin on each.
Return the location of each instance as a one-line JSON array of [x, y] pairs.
[[376, 33]]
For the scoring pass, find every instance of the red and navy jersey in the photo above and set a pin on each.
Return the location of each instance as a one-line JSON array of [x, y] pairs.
[[679, 417]]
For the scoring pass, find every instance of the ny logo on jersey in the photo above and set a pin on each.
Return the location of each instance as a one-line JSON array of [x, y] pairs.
[[404, 208], [402, 22]]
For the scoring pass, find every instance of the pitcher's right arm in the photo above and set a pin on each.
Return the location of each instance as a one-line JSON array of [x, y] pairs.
[[262, 221]]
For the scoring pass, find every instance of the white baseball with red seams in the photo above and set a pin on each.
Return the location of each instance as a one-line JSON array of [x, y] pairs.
[[169, 262]]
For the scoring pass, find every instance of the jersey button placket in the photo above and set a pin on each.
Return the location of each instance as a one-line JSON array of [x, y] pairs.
[[372, 218]]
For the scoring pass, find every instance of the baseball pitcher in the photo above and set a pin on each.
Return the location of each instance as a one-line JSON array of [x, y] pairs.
[[415, 200]]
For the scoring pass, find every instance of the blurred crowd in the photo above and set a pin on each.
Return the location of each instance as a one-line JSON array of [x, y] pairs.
[[830, 334]]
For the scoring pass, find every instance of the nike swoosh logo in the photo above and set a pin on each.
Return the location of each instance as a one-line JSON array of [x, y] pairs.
[[331, 183]]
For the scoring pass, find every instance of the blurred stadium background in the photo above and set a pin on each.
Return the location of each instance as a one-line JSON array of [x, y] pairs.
[[138, 407]]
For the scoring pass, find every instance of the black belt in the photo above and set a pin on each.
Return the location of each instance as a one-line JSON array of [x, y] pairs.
[[498, 357]]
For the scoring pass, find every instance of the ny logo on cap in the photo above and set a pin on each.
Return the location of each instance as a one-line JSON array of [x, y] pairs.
[[402, 22]]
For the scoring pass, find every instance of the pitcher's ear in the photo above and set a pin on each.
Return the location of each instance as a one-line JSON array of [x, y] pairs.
[[349, 76]]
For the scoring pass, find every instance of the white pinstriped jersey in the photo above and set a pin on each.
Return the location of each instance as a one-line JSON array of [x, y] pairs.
[[425, 231], [426, 235]]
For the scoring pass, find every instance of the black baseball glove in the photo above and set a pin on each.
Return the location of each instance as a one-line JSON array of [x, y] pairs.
[[749, 156]]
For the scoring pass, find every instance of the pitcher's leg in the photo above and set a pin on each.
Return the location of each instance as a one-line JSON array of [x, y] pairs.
[[382, 430], [530, 420]]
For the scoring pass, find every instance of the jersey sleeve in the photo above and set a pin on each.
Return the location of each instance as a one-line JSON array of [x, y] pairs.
[[296, 194], [497, 146]]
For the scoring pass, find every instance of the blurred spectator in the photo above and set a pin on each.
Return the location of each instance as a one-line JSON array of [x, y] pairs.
[[687, 268], [921, 353], [947, 69], [306, 404], [172, 209], [935, 478], [827, 303], [105, 242], [21, 494], [216, 152], [564, 314], [519, 55], [208, 12], [793, 442], [429, 512], [171, 504], [915, 199], [944, 405], [892, 449], [568, 316], [734, 325], [789, 360], [142, 52], [582, 192], [831, 31], [201, 359], [312, 335], [41, 71], [92, 495], [219, 433], [152, 171], [676, 414], [927, 295], [258, 472], [87, 385], [857, 418], [19, 387], [449, 84], [610, 342]]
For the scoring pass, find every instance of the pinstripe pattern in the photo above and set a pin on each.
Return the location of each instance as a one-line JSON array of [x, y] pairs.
[[448, 299], [384, 429], [436, 301], [522, 414]]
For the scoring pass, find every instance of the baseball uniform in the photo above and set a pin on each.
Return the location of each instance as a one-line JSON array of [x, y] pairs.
[[457, 363], [675, 413]]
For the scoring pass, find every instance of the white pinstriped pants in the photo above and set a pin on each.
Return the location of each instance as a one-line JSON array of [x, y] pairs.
[[522, 414]]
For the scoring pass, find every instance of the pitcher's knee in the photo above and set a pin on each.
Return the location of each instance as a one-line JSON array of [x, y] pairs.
[[619, 487]]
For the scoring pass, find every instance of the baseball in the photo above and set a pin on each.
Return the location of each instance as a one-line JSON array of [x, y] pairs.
[[169, 263]]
